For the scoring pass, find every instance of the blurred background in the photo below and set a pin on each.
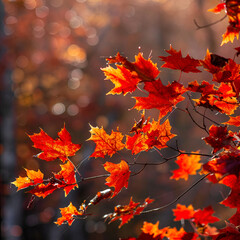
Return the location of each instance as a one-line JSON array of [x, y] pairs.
[[51, 55]]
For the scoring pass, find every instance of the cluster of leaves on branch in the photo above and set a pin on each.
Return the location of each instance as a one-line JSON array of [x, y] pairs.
[[219, 94]]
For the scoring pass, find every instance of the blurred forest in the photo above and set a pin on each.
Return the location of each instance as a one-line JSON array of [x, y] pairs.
[[51, 55]]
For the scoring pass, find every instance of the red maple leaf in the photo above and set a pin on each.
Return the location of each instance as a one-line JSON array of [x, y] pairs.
[[176, 61], [219, 138], [119, 175], [68, 215], [183, 212], [204, 216], [127, 212], [225, 163], [218, 8], [160, 97], [52, 149], [232, 200], [188, 165], [105, 144]]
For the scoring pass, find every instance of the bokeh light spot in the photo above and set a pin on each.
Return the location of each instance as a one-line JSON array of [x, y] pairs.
[[58, 108]]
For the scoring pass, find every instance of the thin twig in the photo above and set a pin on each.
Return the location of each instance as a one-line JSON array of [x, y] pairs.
[[190, 115], [203, 115], [210, 24], [179, 197]]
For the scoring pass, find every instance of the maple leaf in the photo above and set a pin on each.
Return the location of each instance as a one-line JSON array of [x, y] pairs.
[[33, 178], [52, 149], [181, 234], [125, 81], [221, 98], [219, 138], [64, 179], [119, 176], [235, 121], [145, 69], [160, 97], [188, 165], [137, 143], [218, 8], [225, 163], [105, 144], [68, 215], [152, 229], [176, 61], [204, 216], [152, 135], [228, 73], [183, 212], [230, 34], [232, 7], [127, 212], [210, 63], [232, 200], [127, 75], [67, 176]]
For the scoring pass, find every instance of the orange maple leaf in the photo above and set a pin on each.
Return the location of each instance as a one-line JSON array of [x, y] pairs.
[[181, 234], [176, 61], [232, 8], [64, 179], [235, 121], [230, 34], [52, 149], [188, 165], [127, 75], [221, 98], [161, 97], [105, 144], [67, 175], [33, 178], [208, 63], [119, 175], [183, 212], [151, 135], [127, 212], [144, 68], [125, 81], [68, 215], [152, 229]]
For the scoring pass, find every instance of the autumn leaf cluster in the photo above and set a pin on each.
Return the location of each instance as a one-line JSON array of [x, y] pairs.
[[142, 80]]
